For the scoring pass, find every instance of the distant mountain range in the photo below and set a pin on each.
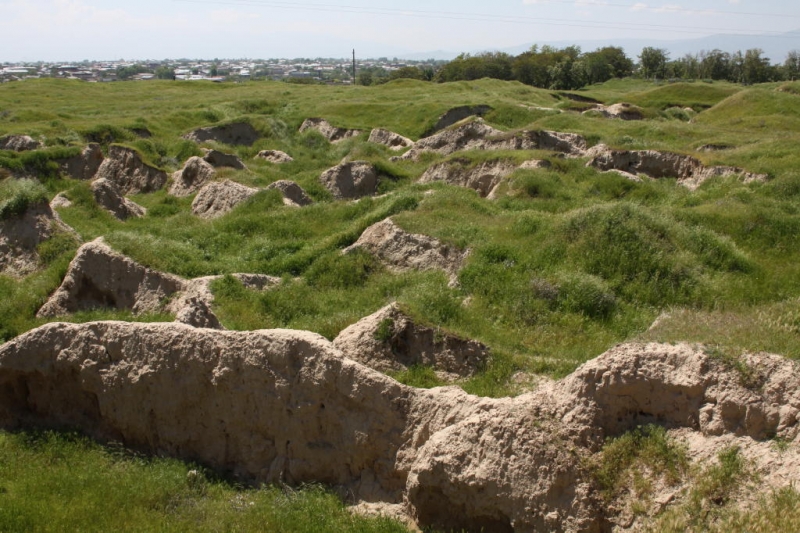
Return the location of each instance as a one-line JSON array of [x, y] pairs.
[[775, 47]]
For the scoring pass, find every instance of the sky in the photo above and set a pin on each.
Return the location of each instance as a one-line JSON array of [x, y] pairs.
[[74, 30]]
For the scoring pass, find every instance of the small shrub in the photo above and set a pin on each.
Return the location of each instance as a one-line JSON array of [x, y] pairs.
[[17, 195], [385, 330], [422, 377], [586, 294], [336, 271], [106, 134], [539, 185], [647, 447]]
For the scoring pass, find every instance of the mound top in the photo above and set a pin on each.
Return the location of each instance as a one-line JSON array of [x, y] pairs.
[[293, 194], [391, 139], [194, 174], [389, 340], [99, 277], [477, 135], [689, 172], [456, 115], [275, 156], [109, 197], [403, 251], [85, 165], [126, 170], [236, 134], [220, 197], [19, 143], [351, 180], [483, 178], [216, 159], [21, 235], [332, 133]]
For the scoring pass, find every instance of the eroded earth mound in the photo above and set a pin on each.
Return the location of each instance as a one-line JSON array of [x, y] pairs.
[[220, 197], [293, 194], [85, 165], [482, 178], [19, 143], [457, 114], [288, 406], [402, 251], [194, 174], [690, 172], [393, 140], [125, 169], [110, 198], [477, 135], [20, 236], [351, 180], [216, 159], [99, 277], [237, 134], [275, 156], [332, 133], [389, 340]]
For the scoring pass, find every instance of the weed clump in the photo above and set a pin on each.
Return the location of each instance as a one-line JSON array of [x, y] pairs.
[[17, 195]]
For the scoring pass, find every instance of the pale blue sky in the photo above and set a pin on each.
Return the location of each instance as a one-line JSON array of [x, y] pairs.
[[68, 30]]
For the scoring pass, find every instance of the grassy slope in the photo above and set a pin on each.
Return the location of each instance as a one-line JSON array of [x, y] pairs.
[[568, 264]]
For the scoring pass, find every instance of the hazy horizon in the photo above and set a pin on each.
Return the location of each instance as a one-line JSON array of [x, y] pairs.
[[77, 30]]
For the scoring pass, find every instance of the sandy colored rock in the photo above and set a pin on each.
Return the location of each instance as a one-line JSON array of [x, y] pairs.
[[217, 159], [393, 140], [125, 169], [99, 277], [19, 143], [482, 178], [275, 156], [477, 135], [109, 197], [293, 194], [622, 111], [403, 251], [457, 114], [236, 134], [85, 165], [332, 133], [21, 235], [688, 171], [192, 304], [60, 201], [681, 386], [194, 174], [286, 406], [351, 180], [220, 197], [389, 340], [535, 164], [289, 407]]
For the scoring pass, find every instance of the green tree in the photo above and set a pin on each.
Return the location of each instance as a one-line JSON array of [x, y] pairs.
[[413, 73], [653, 62], [791, 67], [755, 69], [165, 73], [126, 73], [715, 65]]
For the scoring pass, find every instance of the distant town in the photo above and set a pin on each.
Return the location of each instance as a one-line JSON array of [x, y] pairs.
[[332, 71]]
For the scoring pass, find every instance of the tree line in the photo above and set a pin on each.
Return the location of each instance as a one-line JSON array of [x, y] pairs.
[[570, 68]]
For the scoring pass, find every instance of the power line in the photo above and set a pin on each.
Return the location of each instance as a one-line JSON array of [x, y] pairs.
[[525, 20]]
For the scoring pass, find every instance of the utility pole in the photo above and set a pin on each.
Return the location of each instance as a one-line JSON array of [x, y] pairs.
[[354, 66]]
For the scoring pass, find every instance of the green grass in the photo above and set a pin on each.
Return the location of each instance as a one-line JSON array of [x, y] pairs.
[[17, 195], [567, 264], [64, 482]]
